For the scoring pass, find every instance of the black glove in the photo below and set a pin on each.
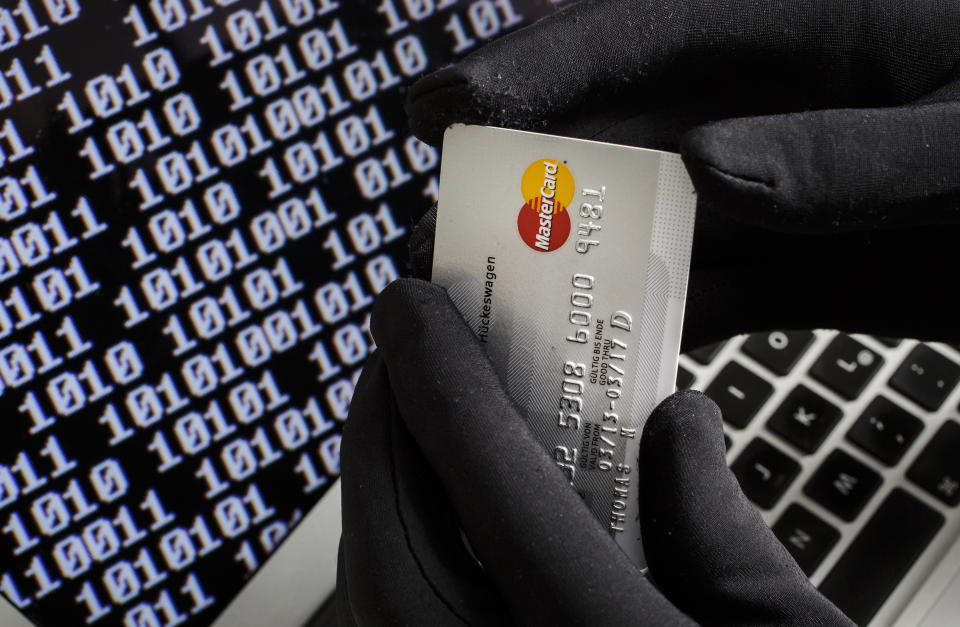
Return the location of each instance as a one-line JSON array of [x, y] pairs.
[[433, 444], [822, 138]]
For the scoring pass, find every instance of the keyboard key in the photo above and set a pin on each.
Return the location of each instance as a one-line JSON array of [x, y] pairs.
[[843, 485], [804, 419], [926, 377], [705, 354], [764, 472], [778, 350], [892, 342], [806, 536], [846, 366], [685, 378], [739, 393], [937, 468], [881, 555], [885, 430]]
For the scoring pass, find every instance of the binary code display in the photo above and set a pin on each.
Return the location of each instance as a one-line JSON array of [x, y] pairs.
[[200, 200]]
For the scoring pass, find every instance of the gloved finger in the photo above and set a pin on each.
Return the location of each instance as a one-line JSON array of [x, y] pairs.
[[602, 59], [421, 245], [549, 557], [707, 546], [835, 170], [744, 279], [402, 558]]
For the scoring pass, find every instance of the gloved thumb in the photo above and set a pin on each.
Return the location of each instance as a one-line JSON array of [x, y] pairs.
[[707, 547], [832, 170]]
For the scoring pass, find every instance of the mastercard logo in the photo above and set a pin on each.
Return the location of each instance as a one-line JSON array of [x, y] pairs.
[[547, 187]]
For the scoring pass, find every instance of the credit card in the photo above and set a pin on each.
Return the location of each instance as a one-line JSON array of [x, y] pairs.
[[569, 259]]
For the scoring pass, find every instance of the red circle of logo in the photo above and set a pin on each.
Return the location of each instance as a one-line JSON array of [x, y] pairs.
[[543, 232]]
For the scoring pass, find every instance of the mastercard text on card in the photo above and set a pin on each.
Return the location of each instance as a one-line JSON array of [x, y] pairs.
[[569, 259]]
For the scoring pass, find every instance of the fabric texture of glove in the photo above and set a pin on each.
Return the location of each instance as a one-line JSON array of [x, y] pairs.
[[433, 444], [821, 137]]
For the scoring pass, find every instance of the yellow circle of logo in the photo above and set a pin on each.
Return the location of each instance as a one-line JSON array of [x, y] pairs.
[[548, 178]]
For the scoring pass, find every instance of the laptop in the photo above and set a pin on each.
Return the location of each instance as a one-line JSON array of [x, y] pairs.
[[200, 200], [847, 445]]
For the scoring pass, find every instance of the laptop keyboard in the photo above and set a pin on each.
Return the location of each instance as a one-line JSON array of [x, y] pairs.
[[850, 447]]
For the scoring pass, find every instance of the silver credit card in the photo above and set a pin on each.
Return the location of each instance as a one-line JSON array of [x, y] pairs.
[[569, 259]]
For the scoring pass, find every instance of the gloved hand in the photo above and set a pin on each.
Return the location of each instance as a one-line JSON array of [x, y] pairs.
[[822, 138], [433, 444]]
